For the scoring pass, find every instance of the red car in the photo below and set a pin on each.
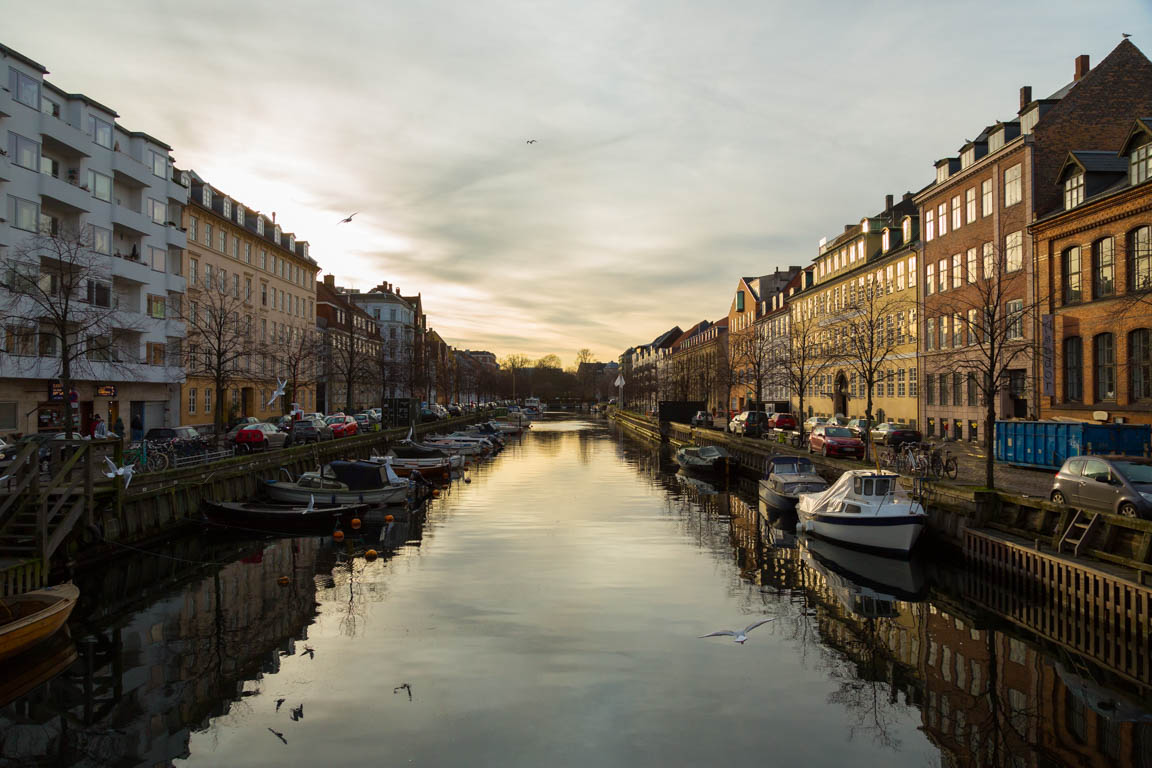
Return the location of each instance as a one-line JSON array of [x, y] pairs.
[[260, 437], [831, 440], [342, 426], [781, 421]]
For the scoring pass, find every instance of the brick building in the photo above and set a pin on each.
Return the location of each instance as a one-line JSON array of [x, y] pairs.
[[978, 264], [350, 346], [1094, 271]]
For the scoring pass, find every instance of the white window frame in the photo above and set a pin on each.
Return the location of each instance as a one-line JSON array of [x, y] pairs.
[[1013, 185]]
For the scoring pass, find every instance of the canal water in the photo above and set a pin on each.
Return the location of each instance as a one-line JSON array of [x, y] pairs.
[[548, 613]]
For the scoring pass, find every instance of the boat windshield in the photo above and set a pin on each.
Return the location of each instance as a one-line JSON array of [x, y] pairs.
[[872, 486], [793, 465], [711, 452]]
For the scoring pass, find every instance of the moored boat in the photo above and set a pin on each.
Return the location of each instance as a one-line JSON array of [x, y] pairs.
[[343, 482], [785, 478], [706, 458], [30, 618], [864, 508], [282, 517]]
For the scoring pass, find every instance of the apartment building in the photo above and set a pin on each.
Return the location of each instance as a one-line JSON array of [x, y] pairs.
[[773, 326], [91, 213], [977, 270], [749, 342], [695, 366], [395, 320], [349, 355], [250, 311], [1094, 271]]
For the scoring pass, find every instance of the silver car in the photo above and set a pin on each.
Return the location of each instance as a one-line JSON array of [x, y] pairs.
[[1119, 484]]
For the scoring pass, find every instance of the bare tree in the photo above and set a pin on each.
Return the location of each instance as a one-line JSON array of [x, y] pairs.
[[868, 332], [294, 359], [58, 306], [350, 355], [994, 311], [800, 360], [513, 363], [752, 353]]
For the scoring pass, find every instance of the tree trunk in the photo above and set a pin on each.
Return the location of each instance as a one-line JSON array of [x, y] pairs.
[[990, 446]]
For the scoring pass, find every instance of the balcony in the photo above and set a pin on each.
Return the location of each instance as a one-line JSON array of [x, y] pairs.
[[176, 237], [135, 371], [131, 171], [175, 283], [177, 192], [133, 271], [6, 105], [133, 221], [66, 140], [65, 194]]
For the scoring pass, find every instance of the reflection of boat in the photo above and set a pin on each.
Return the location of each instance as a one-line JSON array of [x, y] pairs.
[[865, 508], [786, 477], [32, 617], [701, 487], [707, 458], [868, 574], [282, 517], [38, 665], [343, 482], [1111, 705]]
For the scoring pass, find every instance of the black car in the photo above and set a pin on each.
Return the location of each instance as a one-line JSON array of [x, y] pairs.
[[309, 431]]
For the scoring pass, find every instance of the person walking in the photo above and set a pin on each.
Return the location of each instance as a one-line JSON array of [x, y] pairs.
[[137, 429], [100, 428]]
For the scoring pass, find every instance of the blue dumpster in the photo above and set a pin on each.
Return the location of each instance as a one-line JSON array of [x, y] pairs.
[[1050, 443]]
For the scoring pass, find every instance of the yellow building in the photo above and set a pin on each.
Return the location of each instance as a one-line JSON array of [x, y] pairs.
[[250, 311]]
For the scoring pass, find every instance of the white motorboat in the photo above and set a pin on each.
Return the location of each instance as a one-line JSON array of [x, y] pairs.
[[412, 455], [864, 508], [343, 482], [465, 447]]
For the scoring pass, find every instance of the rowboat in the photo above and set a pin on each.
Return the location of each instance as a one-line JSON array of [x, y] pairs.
[[282, 517], [343, 482], [32, 617]]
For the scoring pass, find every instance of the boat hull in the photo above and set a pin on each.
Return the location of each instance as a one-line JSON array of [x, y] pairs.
[[775, 499], [41, 614], [289, 518], [278, 491], [893, 534]]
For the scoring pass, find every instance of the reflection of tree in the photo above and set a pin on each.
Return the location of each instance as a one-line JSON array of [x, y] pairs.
[[865, 691]]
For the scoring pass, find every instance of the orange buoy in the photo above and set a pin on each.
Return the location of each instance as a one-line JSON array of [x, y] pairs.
[[370, 554], [282, 581], [338, 536], [435, 493], [355, 523], [388, 518]]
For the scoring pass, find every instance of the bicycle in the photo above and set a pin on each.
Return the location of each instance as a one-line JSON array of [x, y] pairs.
[[943, 464]]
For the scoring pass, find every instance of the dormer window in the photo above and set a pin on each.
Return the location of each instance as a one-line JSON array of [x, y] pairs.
[[906, 229], [886, 240], [260, 225], [1140, 164], [942, 173], [864, 225], [185, 179], [206, 197], [277, 233], [227, 208], [1073, 191], [239, 213], [967, 157], [996, 140], [292, 242], [1028, 119], [304, 250]]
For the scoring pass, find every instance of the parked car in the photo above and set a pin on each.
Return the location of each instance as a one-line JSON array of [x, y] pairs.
[[454, 410], [893, 433], [748, 423], [858, 427], [309, 431], [1120, 484], [260, 437], [781, 421], [242, 421], [812, 422], [831, 440], [363, 422], [313, 416], [342, 426], [427, 414], [702, 419]]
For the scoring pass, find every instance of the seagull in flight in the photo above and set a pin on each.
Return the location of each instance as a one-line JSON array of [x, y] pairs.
[[279, 392], [311, 504], [347, 220], [279, 736], [404, 687], [124, 471], [279, 702], [530, 141], [298, 713], [740, 636]]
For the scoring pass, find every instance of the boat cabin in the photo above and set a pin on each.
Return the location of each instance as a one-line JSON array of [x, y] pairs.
[[353, 475]]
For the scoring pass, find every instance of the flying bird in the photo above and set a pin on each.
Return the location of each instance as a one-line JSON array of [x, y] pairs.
[[279, 391], [298, 713], [531, 141], [309, 652], [347, 220], [403, 687], [279, 736], [124, 471], [279, 703], [738, 636], [1125, 35], [5, 477]]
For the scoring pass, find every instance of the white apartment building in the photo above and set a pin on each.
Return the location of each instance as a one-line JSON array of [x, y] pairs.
[[67, 167], [395, 318]]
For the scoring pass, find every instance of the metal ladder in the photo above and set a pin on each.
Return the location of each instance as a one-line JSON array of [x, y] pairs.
[[1078, 531]]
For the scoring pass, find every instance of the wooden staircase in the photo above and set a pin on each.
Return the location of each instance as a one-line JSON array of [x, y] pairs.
[[1078, 531]]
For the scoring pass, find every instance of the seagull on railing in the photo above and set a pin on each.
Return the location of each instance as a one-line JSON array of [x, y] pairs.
[[279, 391], [124, 471], [740, 636]]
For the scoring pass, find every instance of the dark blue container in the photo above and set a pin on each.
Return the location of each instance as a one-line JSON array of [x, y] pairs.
[[1050, 443]]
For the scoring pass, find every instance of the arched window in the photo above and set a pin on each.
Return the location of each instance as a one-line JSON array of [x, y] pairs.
[[1104, 358], [1103, 267], [1073, 369], [1140, 363], [1140, 258]]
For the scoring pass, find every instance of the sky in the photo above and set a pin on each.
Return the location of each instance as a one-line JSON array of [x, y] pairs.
[[678, 144]]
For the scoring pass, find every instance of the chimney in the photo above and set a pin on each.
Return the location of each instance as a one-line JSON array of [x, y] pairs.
[[273, 217], [887, 203], [1026, 96], [329, 280], [907, 197], [848, 227], [1081, 66]]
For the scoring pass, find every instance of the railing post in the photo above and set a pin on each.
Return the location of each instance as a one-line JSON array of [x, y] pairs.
[[89, 482]]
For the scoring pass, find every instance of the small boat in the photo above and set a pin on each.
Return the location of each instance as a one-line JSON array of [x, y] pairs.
[[864, 508], [30, 618], [343, 482], [282, 517], [706, 458], [785, 478], [406, 456]]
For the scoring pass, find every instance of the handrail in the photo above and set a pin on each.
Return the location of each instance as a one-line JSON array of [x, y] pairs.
[[22, 484]]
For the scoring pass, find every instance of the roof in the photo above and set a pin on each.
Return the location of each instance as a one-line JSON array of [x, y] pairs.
[[1093, 161], [1141, 127], [8, 52]]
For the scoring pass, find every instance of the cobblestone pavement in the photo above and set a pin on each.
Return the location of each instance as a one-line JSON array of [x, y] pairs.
[[1026, 482]]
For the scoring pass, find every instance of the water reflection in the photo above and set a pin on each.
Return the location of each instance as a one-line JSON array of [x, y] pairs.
[[547, 614]]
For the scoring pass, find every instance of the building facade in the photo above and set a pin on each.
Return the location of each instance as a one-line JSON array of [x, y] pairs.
[[349, 350], [72, 179], [395, 320], [250, 311]]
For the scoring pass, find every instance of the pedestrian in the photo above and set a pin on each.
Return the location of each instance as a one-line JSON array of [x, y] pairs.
[[137, 429], [118, 428], [100, 429]]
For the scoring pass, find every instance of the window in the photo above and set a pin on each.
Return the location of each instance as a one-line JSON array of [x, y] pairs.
[[971, 327], [986, 197], [957, 271], [943, 388], [25, 89], [912, 272], [207, 401], [1073, 191], [989, 260], [1103, 268], [236, 248], [192, 222], [222, 241], [207, 233], [971, 389], [1140, 258], [901, 387], [929, 391], [930, 282], [208, 276], [912, 384], [943, 267], [944, 332], [1104, 356], [942, 218], [1073, 369], [1140, 363], [263, 259], [1014, 316], [157, 211], [24, 152], [247, 253], [970, 204], [50, 166], [247, 289], [192, 400], [900, 276], [100, 186], [157, 353], [260, 225], [929, 225], [227, 208], [1070, 268], [958, 388], [98, 293], [972, 265], [156, 306], [236, 285], [1012, 186], [25, 215], [159, 259], [957, 213], [264, 294], [206, 199], [930, 334], [101, 240], [1140, 164], [193, 267], [1013, 251]]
